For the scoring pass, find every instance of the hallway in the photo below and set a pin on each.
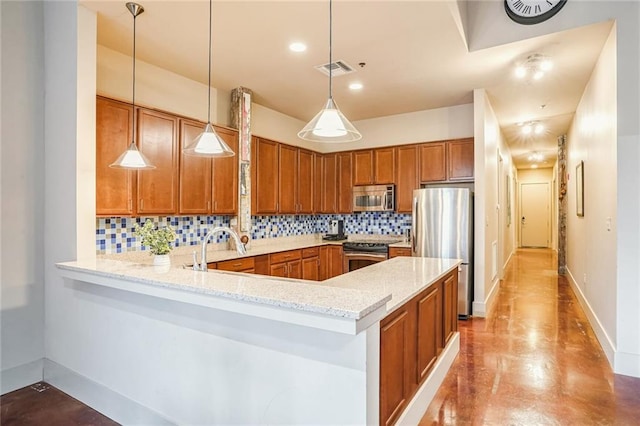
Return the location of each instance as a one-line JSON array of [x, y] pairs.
[[534, 360]]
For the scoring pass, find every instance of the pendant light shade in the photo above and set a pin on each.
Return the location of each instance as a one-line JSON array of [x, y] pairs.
[[132, 158], [208, 143], [330, 124]]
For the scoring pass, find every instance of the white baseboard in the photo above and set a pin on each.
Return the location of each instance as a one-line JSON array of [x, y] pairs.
[[607, 346], [102, 399], [23, 375], [627, 364], [482, 308], [420, 402]]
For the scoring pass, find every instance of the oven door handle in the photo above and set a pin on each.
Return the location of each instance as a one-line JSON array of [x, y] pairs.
[[372, 256]]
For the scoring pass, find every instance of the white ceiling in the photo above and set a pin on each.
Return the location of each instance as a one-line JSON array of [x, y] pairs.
[[416, 58]]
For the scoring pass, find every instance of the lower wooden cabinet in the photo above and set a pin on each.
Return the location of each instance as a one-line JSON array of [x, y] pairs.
[[334, 261], [245, 264], [411, 340], [399, 251], [311, 263], [286, 264]]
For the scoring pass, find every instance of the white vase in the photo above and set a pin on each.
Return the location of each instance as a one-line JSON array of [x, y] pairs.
[[161, 260]]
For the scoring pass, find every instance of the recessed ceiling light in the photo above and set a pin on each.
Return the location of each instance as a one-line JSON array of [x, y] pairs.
[[539, 128], [355, 86], [297, 47], [521, 71], [534, 166]]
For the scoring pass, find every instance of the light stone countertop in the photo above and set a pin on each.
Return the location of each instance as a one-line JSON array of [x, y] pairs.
[[347, 303]]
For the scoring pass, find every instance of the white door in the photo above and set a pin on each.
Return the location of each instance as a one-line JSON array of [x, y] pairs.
[[534, 215]]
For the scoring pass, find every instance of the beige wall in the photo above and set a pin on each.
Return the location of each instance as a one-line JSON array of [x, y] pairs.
[[591, 249]]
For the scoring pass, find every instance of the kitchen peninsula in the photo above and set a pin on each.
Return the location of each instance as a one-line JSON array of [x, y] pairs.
[[367, 347]]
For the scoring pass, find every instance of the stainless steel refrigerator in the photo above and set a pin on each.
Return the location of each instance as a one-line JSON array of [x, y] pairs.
[[442, 226]]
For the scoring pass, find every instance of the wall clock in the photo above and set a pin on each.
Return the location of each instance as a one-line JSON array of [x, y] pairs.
[[529, 12]]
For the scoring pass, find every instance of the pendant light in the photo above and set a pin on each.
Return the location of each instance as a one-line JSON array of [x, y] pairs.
[[132, 158], [330, 125], [208, 143]]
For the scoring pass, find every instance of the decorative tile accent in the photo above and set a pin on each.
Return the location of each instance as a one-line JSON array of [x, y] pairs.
[[115, 235]]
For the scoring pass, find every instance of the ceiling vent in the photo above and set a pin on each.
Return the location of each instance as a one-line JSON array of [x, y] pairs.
[[338, 68]]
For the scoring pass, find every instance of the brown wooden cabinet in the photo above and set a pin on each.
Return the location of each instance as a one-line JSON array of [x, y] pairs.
[[460, 159], [396, 363], [406, 177], [311, 263], [318, 182], [245, 264], [330, 184], [399, 251], [286, 264], [305, 181], [384, 165], [264, 189], [411, 340], [374, 166], [157, 189], [207, 185], [433, 162], [287, 170], [344, 183], [334, 261], [114, 187]]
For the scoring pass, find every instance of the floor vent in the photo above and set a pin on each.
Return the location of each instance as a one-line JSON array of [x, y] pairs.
[[338, 68]]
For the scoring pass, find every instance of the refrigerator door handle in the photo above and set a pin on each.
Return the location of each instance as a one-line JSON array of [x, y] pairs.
[[415, 231]]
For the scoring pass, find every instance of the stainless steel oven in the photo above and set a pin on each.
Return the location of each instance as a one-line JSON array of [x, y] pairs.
[[358, 254]]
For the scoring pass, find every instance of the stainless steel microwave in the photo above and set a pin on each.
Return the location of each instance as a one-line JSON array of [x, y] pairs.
[[373, 198]]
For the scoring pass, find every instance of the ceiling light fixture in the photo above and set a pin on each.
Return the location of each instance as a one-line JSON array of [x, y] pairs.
[[535, 66], [356, 86], [297, 47], [535, 156], [330, 125], [132, 158], [208, 143], [532, 127]]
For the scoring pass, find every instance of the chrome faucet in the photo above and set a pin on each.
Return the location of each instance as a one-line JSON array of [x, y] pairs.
[[203, 253]]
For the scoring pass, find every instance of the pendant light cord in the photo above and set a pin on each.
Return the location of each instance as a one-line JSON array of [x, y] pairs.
[[209, 87], [133, 96], [330, 47]]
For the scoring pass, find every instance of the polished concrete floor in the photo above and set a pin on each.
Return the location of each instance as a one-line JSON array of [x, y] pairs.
[[534, 360]]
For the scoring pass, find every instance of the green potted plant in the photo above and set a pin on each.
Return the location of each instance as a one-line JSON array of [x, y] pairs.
[[158, 240]]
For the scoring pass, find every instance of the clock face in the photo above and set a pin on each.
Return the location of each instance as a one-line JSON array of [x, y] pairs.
[[530, 12]]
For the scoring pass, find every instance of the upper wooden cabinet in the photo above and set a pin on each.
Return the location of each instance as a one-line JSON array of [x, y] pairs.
[[449, 160], [114, 187], [305, 181], [406, 177], [433, 162], [264, 185], [330, 183], [158, 140], [344, 182], [207, 185], [460, 159], [374, 166], [287, 171]]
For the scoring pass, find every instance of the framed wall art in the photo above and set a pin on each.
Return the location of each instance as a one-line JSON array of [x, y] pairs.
[[580, 189]]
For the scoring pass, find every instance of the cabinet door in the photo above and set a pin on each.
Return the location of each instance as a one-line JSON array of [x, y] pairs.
[[385, 164], [294, 269], [344, 183], [278, 270], [335, 265], [158, 140], [460, 154], [324, 263], [265, 185], [318, 181], [330, 184], [450, 305], [195, 174], [406, 177], [311, 268], [399, 251], [287, 179], [429, 324], [395, 364], [363, 167], [225, 176], [306, 181], [114, 187], [433, 162]]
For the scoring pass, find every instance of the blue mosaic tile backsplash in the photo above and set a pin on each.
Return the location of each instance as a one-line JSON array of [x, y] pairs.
[[115, 235]]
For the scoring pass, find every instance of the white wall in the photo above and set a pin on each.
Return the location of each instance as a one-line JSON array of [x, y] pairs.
[[22, 181], [591, 248], [488, 26]]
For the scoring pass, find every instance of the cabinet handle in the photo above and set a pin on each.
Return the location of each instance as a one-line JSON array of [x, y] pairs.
[[141, 204], [237, 264], [215, 205]]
